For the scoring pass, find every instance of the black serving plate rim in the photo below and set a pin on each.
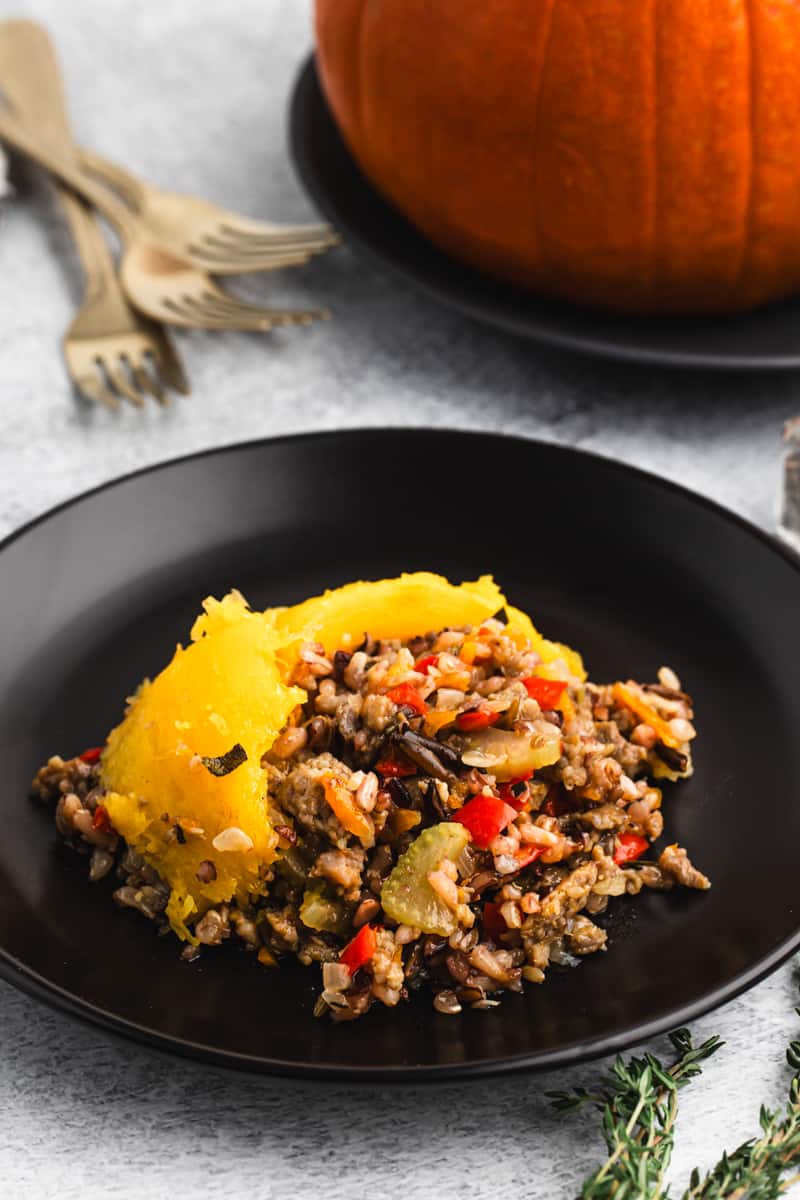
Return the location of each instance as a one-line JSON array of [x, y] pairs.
[[52, 994]]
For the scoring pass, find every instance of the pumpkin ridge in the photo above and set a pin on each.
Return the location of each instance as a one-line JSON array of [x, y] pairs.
[[749, 212], [654, 241], [359, 71], [536, 207]]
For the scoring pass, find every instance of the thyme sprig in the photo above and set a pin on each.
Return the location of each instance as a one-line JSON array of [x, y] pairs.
[[639, 1103], [756, 1170]]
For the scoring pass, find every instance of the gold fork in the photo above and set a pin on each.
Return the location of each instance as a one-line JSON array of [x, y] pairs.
[[157, 281], [108, 345], [215, 237], [210, 237]]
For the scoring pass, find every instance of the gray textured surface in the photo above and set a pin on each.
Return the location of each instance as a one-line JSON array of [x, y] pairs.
[[81, 1115]]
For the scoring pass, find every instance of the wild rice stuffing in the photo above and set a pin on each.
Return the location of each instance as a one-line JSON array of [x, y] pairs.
[[448, 817]]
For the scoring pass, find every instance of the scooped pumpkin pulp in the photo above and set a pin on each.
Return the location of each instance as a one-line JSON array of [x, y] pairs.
[[229, 687]]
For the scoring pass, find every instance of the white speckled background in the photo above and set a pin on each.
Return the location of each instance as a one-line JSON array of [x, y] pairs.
[[194, 95]]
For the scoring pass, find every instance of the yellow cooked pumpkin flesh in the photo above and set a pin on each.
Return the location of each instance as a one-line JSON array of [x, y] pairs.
[[229, 688]]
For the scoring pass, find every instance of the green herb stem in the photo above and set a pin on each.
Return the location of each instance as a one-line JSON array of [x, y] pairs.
[[756, 1170], [639, 1104]]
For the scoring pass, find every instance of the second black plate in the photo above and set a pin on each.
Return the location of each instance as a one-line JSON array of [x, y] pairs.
[[768, 338], [629, 569]]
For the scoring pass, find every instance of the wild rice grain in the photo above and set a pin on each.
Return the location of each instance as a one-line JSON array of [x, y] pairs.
[[447, 1002], [668, 679]]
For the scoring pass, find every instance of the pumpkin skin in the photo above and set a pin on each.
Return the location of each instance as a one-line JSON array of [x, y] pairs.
[[631, 155]]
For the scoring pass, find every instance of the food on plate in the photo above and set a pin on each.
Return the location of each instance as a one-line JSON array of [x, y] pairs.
[[402, 781]]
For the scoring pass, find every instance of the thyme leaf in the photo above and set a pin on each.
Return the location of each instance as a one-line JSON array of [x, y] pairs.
[[638, 1100], [225, 763], [756, 1170]]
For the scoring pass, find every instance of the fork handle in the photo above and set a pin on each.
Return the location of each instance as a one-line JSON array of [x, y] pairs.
[[30, 78], [122, 181], [31, 81], [54, 160], [95, 256]]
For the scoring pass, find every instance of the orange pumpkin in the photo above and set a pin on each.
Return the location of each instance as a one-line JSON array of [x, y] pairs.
[[628, 154]]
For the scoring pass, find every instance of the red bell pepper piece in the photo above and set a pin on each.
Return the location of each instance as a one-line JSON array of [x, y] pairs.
[[394, 768], [629, 847], [516, 792], [101, 820], [92, 755], [526, 855], [424, 664], [494, 925], [547, 692], [476, 718], [406, 696], [360, 949], [485, 817]]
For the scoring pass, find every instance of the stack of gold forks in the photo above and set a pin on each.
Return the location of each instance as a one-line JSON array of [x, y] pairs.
[[171, 245]]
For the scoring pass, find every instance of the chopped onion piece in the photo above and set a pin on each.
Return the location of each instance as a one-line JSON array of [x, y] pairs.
[[335, 976], [232, 838]]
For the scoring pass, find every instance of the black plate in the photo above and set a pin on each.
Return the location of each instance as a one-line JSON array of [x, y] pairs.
[[768, 338], [630, 569]]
